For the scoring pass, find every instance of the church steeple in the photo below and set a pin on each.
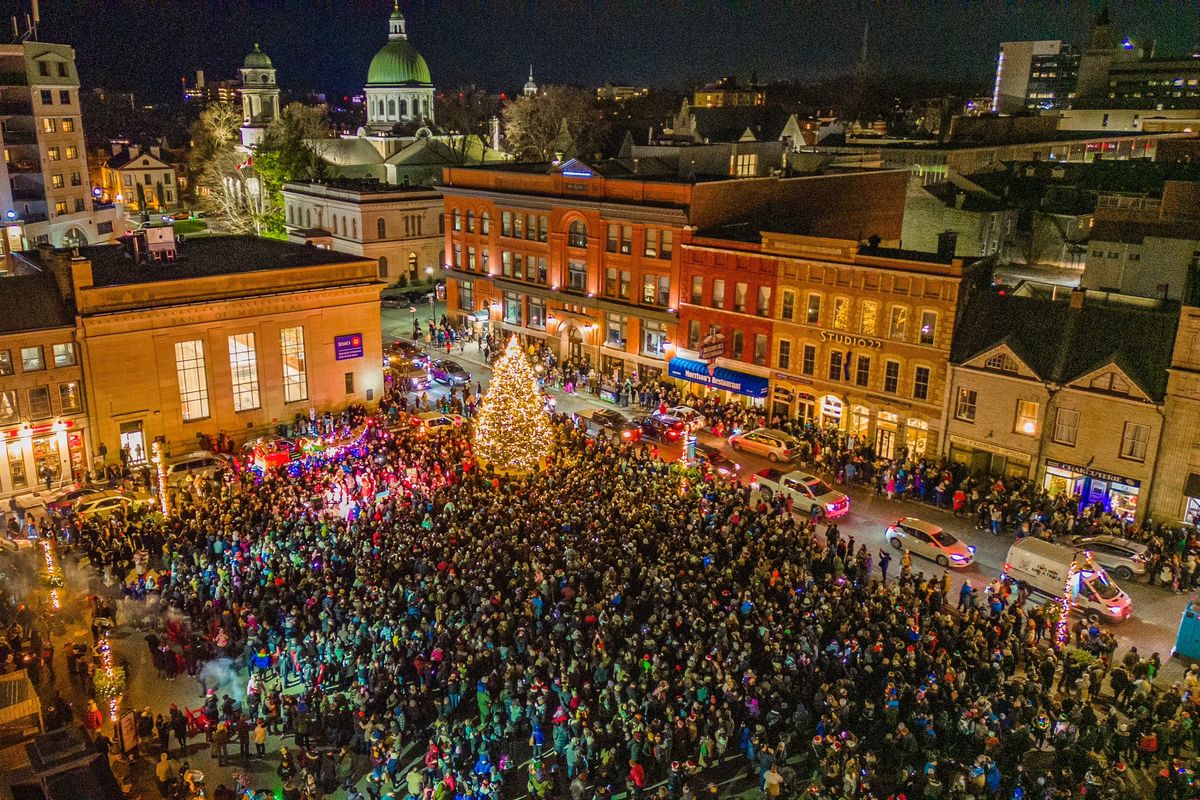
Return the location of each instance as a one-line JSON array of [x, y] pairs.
[[396, 29], [531, 87]]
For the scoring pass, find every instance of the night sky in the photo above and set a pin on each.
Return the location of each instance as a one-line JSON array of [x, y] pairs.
[[146, 46]]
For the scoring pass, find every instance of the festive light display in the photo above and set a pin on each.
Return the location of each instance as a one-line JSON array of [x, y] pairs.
[[1062, 628], [512, 431], [52, 574], [160, 465], [109, 680]]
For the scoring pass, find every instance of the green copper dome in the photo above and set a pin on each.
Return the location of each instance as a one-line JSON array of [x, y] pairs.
[[257, 59], [398, 63]]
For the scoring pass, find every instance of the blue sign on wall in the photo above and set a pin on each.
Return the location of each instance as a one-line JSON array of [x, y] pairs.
[[720, 377], [348, 346]]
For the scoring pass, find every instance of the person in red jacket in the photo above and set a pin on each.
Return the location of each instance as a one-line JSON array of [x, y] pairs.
[[637, 779]]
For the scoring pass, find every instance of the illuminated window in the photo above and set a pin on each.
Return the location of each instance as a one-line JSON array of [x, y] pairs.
[[243, 367], [1027, 413], [867, 315], [862, 374], [928, 327], [577, 234], [485, 223], [964, 409], [718, 293], [841, 313], [193, 383], [70, 398], [739, 297], [64, 354], [764, 301], [295, 371], [32, 359], [899, 324]]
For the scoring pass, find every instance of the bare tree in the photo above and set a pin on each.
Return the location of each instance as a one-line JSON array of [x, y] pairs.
[[534, 125], [465, 117]]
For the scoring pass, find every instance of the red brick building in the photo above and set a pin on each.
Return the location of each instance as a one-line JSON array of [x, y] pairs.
[[588, 259]]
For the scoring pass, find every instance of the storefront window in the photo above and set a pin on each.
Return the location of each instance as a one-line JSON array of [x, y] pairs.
[[916, 432], [46, 459], [860, 420], [16, 466], [831, 410]]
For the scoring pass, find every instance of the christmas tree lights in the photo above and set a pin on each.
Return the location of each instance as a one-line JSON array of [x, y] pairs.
[[512, 430]]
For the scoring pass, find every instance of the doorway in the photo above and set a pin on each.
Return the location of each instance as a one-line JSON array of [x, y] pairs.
[[133, 441], [575, 344]]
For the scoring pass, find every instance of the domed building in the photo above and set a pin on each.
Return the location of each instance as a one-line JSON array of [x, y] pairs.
[[399, 87], [260, 96]]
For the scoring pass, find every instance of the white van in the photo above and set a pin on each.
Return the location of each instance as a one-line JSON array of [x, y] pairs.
[[183, 469], [1043, 567]]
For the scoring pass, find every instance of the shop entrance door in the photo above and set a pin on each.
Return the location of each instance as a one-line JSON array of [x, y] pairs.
[[885, 443], [46, 460], [575, 344], [133, 441]]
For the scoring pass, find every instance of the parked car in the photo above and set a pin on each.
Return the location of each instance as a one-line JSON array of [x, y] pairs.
[[722, 466], [449, 372], [775, 445], [62, 502], [607, 422], [805, 491], [1122, 557], [928, 540], [661, 428], [182, 469], [429, 422], [104, 503], [690, 416]]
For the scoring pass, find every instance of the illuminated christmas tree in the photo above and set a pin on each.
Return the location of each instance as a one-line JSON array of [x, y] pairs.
[[512, 430]]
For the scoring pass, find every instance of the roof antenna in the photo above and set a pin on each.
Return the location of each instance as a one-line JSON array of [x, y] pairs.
[[37, 19]]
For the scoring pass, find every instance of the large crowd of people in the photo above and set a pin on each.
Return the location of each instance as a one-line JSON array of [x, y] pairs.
[[613, 624]]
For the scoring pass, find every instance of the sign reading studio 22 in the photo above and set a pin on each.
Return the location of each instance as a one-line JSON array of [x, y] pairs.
[[850, 340], [348, 346]]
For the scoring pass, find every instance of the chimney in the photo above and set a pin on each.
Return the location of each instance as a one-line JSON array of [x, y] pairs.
[[156, 151], [116, 148], [947, 244], [1078, 295]]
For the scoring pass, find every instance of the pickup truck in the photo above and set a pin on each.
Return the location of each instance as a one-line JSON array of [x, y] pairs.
[[805, 491]]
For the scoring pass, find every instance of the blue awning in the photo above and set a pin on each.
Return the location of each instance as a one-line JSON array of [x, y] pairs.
[[721, 378]]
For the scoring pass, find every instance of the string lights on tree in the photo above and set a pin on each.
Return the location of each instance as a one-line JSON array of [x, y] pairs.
[[512, 430], [160, 467], [52, 573], [1062, 628]]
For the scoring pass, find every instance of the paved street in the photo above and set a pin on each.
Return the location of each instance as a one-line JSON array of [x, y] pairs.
[[1156, 611]]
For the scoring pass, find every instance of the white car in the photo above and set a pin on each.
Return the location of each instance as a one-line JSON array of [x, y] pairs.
[[928, 540], [105, 503], [690, 416], [804, 489], [435, 422]]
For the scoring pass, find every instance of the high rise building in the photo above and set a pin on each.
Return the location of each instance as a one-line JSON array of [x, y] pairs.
[[1036, 75], [44, 189]]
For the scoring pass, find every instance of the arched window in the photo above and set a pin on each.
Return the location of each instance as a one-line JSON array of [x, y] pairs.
[[380, 228], [577, 234], [457, 220], [470, 222], [485, 224], [404, 108], [391, 109], [412, 265], [383, 267]]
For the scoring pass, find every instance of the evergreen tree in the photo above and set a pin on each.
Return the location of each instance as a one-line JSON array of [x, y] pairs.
[[513, 430]]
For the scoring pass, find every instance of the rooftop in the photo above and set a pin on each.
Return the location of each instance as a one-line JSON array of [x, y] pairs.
[[205, 257], [368, 186], [32, 302], [1059, 137], [1061, 343]]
